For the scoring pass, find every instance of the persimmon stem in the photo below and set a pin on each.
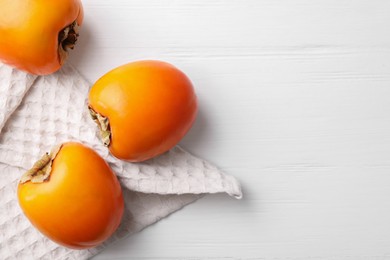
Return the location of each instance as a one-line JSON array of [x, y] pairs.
[[103, 124], [41, 170], [67, 39]]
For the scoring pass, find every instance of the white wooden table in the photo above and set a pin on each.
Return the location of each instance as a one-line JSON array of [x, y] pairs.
[[294, 101]]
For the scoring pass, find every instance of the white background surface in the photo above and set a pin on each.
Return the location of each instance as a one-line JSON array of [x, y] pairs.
[[294, 102]]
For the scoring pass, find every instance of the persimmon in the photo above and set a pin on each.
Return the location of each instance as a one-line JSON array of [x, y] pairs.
[[37, 34], [72, 196], [143, 109]]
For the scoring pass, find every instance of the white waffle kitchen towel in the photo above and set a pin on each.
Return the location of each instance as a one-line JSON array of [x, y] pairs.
[[37, 113]]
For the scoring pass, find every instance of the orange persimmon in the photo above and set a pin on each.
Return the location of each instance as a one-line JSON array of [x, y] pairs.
[[35, 35], [72, 196], [143, 108]]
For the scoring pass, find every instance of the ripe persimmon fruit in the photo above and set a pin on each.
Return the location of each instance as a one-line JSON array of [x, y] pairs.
[[37, 34], [72, 196], [143, 109]]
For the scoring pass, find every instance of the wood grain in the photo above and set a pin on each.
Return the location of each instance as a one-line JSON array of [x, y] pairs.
[[294, 101]]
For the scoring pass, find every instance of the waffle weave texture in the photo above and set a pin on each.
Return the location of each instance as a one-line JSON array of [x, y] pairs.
[[37, 113]]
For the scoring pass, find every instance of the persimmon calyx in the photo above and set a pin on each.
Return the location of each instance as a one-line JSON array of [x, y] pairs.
[[67, 39], [103, 124], [41, 170]]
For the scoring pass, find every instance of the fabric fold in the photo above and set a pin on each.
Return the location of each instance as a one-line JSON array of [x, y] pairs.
[[13, 86]]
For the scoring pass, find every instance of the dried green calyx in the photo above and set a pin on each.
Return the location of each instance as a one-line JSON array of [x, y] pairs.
[[103, 124], [41, 170], [67, 39]]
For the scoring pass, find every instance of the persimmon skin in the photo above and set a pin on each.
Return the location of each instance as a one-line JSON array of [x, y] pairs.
[[29, 32], [150, 105], [80, 205]]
